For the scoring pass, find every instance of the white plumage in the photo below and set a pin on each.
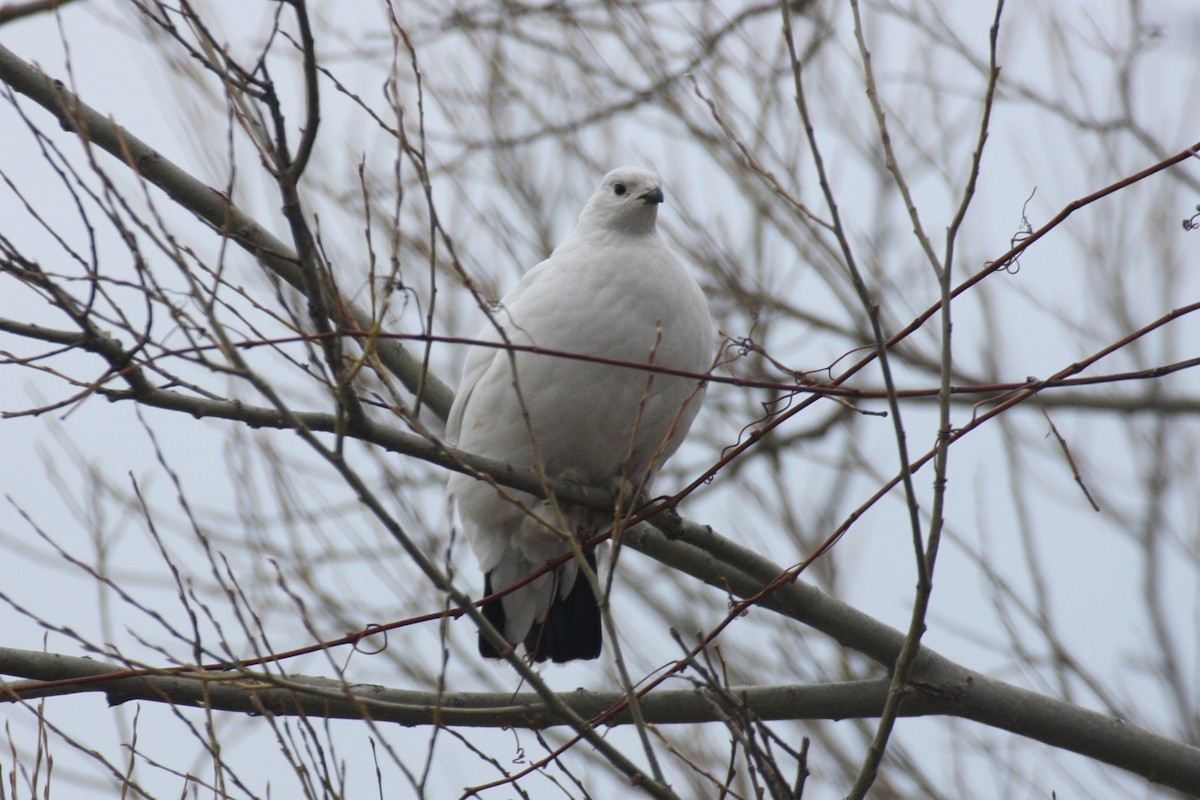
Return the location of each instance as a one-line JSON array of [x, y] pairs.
[[613, 289]]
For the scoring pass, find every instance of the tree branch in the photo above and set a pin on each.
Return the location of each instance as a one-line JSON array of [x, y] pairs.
[[207, 203]]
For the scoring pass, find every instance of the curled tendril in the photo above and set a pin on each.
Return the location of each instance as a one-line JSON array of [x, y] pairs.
[[1191, 223], [371, 630], [743, 346], [1013, 265]]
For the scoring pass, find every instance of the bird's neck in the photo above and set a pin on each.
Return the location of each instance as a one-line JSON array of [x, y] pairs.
[[593, 236]]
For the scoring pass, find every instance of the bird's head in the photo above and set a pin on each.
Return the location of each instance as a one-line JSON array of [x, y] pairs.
[[626, 200]]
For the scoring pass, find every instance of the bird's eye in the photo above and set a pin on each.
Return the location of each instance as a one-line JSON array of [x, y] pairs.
[[619, 189]]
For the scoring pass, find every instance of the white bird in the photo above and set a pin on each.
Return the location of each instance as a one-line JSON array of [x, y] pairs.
[[612, 289]]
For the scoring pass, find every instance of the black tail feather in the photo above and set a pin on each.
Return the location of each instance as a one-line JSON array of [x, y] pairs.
[[493, 612], [570, 631], [572, 628]]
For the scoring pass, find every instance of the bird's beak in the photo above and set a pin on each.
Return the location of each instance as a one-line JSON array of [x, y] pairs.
[[655, 195]]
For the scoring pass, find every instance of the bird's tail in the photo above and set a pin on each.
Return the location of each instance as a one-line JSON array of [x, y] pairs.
[[570, 630]]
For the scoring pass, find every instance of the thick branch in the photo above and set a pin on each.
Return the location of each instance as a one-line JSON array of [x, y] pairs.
[[326, 697]]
